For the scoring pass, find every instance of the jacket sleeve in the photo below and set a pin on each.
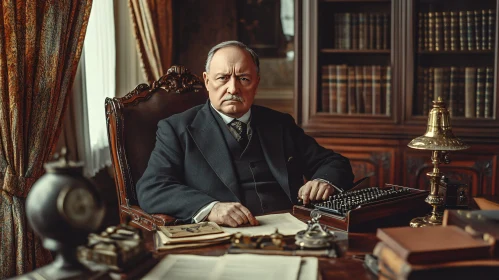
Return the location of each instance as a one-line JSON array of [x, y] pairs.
[[162, 189], [318, 162]]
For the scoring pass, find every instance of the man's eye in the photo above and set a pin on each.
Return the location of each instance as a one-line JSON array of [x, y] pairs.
[[244, 79], [222, 78]]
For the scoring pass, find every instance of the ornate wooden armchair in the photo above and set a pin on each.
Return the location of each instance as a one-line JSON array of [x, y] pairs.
[[131, 126]]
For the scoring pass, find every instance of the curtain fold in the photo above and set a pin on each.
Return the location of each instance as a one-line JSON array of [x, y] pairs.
[[40, 45], [152, 22]]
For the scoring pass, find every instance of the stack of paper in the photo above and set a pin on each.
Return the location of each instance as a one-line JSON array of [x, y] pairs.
[[242, 266], [286, 224]]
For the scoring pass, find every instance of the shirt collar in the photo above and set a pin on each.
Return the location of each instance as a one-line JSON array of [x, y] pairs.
[[244, 118]]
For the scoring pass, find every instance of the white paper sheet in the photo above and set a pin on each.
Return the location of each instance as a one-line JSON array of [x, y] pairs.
[[186, 267], [286, 223]]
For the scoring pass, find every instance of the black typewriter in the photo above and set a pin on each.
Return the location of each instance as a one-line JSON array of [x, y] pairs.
[[366, 209]]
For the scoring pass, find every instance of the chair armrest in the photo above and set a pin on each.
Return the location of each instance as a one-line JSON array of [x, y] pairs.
[[141, 219]]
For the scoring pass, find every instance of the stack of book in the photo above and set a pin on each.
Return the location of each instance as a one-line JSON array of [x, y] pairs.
[[444, 252]]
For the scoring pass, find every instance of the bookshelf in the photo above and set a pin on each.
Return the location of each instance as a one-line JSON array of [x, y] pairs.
[[365, 86]]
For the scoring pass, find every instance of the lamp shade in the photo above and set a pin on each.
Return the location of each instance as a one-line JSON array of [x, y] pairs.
[[438, 136]]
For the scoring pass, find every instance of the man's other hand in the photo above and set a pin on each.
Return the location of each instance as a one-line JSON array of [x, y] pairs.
[[232, 214], [315, 190]]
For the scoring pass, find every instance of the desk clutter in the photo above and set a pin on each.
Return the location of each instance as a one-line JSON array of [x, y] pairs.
[[367, 209], [465, 247]]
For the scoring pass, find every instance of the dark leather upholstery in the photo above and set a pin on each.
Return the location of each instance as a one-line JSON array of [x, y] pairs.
[[132, 124]]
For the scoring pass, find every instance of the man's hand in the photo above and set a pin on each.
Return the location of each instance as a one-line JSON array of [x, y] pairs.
[[232, 214], [315, 190]]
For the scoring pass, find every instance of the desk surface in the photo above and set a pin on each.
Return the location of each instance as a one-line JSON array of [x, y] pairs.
[[349, 266]]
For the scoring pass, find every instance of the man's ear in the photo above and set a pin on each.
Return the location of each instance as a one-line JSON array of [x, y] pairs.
[[205, 78]]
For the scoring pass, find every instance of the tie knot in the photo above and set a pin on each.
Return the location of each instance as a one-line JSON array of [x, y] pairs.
[[239, 126], [239, 130]]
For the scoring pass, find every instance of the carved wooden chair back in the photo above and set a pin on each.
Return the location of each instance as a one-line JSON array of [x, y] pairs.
[[131, 125]]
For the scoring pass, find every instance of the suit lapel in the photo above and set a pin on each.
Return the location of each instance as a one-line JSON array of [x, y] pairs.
[[271, 137], [206, 133]]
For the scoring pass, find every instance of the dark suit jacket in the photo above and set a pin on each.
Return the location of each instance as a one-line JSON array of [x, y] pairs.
[[191, 165]]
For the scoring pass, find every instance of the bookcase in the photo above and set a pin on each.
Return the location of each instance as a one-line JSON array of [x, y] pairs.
[[370, 69]]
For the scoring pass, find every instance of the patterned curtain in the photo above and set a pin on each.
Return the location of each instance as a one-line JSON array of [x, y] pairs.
[[40, 45], [152, 21]]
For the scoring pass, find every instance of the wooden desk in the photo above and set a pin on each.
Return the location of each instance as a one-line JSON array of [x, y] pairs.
[[348, 266]]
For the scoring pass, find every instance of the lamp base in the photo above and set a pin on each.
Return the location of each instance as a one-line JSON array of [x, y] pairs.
[[429, 220]]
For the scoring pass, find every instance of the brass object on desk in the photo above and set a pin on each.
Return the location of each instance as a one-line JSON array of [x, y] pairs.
[[440, 140], [118, 247], [273, 242], [315, 236]]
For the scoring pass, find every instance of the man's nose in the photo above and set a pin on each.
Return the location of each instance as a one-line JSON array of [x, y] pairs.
[[232, 86]]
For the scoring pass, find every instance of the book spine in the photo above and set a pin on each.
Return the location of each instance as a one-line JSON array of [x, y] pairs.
[[438, 75], [446, 30], [453, 31], [453, 91], [461, 90], [391, 265], [372, 31], [469, 92], [463, 42], [341, 74], [386, 31], [367, 93], [483, 19], [446, 84], [420, 32], [470, 26], [379, 34], [426, 31], [489, 92], [388, 90], [359, 89], [362, 31], [325, 88], [426, 89], [352, 103], [376, 88], [346, 31], [438, 31], [491, 30], [333, 81], [478, 29], [480, 92], [431, 32], [336, 31], [354, 18], [431, 89]]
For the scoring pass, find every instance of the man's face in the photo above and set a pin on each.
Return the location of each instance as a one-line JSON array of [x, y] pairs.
[[232, 81]]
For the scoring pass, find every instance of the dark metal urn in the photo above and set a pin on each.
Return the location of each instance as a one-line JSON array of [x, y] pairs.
[[63, 207]]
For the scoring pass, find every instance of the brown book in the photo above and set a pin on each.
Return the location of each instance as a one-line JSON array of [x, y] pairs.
[[478, 29], [489, 92], [367, 94], [426, 89], [420, 32], [376, 88], [483, 19], [431, 90], [362, 31], [426, 28], [438, 77], [354, 31], [333, 94], [453, 90], [470, 92], [470, 27], [453, 30], [391, 266], [325, 89], [461, 96], [433, 244], [431, 32], [337, 30], [463, 39], [491, 29], [372, 31], [341, 89], [446, 30], [352, 102], [388, 90], [359, 89], [346, 31], [386, 31], [438, 31], [378, 38], [480, 92]]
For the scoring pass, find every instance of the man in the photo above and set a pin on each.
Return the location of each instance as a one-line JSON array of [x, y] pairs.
[[228, 160]]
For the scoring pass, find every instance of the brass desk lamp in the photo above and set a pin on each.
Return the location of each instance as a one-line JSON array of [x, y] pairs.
[[440, 140]]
